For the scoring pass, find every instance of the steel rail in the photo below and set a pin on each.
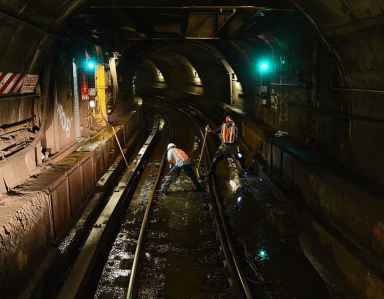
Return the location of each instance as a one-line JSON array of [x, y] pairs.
[[193, 7], [131, 285], [223, 227], [89, 251]]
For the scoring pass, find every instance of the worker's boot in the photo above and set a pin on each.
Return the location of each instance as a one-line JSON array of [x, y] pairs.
[[163, 190]]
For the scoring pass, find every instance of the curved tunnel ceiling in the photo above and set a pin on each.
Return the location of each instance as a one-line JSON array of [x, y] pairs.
[[38, 24], [179, 63]]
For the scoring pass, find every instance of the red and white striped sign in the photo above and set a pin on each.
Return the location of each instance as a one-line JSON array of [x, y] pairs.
[[11, 83]]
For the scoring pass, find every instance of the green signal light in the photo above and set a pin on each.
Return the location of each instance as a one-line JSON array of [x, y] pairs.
[[262, 253], [90, 64], [264, 66]]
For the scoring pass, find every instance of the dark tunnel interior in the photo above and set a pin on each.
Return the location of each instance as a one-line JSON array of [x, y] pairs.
[[94, 93]]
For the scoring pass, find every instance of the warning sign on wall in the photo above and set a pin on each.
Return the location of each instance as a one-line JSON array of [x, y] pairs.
[[29, 84], [12, 83]]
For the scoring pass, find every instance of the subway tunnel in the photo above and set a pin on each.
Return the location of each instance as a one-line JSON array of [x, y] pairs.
[[92, 94]]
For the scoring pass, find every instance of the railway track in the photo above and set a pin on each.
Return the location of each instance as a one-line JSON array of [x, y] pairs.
[[166, 247]]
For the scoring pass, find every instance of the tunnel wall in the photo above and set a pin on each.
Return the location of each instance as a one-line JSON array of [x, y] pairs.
[[51, 112], [19, 114], [30, 44], [60, 128], [331, 156], [44, 208], [16, 109], [341, 216], [354, 35]]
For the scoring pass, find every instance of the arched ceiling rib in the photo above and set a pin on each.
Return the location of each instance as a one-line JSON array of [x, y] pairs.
[[30, 26]]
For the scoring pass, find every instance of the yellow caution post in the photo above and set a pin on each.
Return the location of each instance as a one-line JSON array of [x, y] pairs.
[[101, 97]]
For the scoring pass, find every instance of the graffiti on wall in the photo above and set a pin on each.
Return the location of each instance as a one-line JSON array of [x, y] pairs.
[[64, 120]]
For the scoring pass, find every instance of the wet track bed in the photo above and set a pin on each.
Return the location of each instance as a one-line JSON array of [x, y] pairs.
[[184, 248], [267, 230], [181, 256], [115, 277]]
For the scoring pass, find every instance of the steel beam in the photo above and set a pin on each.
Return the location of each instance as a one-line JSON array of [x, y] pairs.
[[193, 7]]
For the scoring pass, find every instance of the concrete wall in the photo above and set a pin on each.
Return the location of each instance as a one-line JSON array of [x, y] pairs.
[[354, 35], [60, 130], [52, 113], [43, 209], [16, 109], [340, 215]]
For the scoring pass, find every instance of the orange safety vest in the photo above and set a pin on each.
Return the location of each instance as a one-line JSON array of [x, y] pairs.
[[228, 133], [181, 155]]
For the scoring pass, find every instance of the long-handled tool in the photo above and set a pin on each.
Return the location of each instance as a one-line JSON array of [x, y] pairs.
[[202, 151], [121, 149], [117, 140]]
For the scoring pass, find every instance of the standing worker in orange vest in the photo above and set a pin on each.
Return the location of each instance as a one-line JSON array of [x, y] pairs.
[[228, 135], [179, 161]]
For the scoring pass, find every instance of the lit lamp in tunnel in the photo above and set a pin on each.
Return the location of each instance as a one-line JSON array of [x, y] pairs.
[[90, 65], [262, 254], [264, 66], [92, 104]]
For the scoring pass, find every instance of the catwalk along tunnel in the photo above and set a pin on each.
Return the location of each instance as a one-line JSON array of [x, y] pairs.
[[91, 93]]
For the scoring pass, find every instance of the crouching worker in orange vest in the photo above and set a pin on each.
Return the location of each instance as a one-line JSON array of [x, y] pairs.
[[228, 136], [179, 161]]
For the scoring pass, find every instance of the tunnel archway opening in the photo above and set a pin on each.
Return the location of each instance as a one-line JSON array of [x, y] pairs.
[[199, 72], [185, 77], [147, 79]]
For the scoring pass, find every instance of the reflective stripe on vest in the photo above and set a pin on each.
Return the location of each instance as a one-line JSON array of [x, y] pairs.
[[228, 133], [181, 155]]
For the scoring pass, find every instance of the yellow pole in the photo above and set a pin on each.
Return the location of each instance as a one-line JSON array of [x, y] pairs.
[[101, 96]]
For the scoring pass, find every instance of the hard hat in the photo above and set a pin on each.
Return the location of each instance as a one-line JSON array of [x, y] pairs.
[[171, 145], [228, 119]]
